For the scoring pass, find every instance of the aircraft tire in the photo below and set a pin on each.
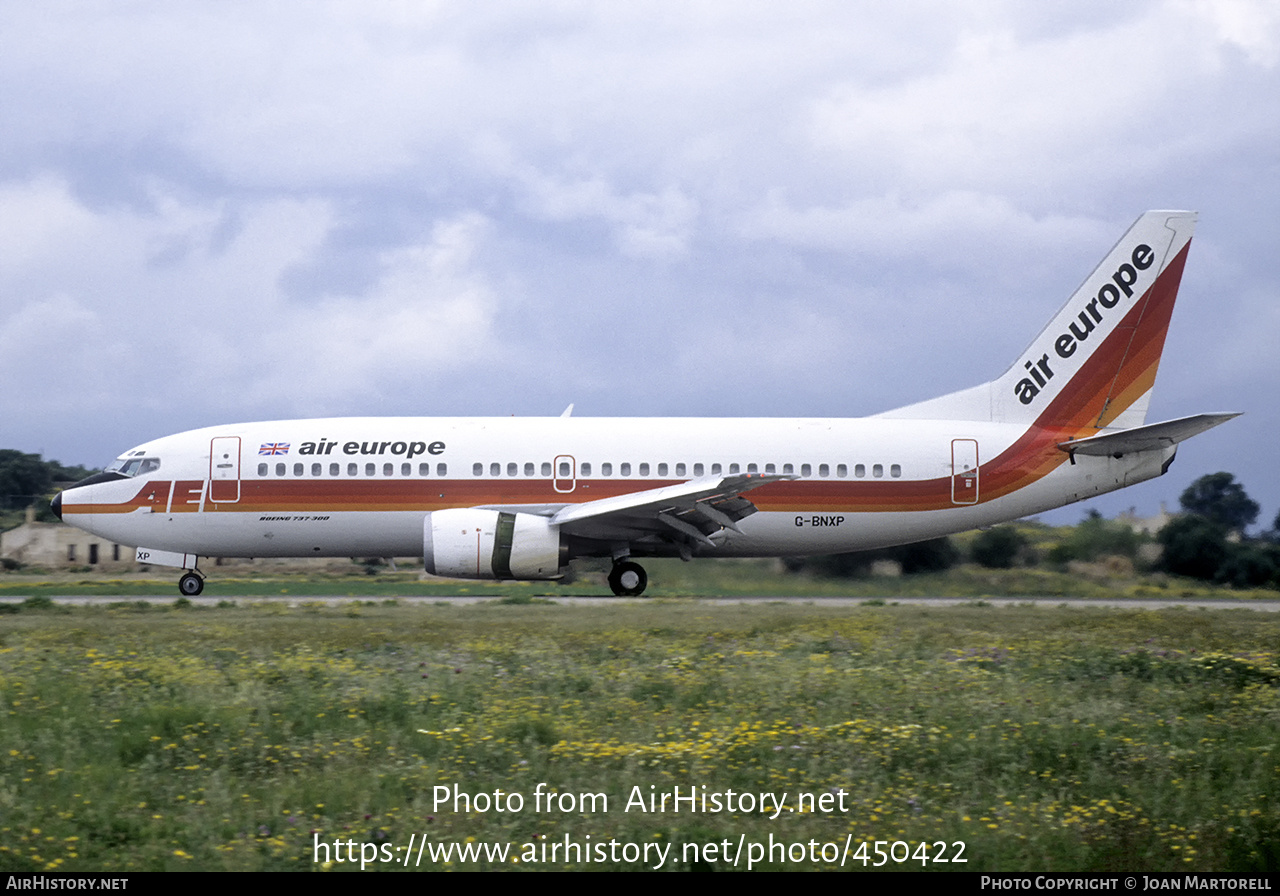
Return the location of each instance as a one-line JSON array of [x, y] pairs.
[[190, 585], [628, 579]]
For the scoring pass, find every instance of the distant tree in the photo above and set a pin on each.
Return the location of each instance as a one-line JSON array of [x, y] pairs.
[[997, 548], [1249, 565], [1096, 537], [1272, 535], [24, 478], [60, 473], [1194, 546], [934, 555], [1218, 497]]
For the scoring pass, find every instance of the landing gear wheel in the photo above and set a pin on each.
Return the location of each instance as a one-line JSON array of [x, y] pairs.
[[190, 585], [628, 579]]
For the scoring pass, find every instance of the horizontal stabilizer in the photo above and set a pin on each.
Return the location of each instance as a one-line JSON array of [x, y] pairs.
[[1145, 438]]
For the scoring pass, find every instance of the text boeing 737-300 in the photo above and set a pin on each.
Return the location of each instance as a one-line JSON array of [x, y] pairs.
[[518, 498]]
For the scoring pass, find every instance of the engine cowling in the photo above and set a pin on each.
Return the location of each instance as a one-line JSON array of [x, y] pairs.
[[469, 543]]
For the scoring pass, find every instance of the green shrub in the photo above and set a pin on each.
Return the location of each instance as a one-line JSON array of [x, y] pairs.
[[997, 548]]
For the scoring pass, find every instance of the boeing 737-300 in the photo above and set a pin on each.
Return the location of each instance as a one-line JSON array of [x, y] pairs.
[[518, 498]]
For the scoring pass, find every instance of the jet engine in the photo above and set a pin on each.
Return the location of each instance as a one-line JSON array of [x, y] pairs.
[[470, 543]]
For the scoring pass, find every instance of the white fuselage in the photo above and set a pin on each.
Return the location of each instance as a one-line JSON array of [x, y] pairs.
[[363, 486]]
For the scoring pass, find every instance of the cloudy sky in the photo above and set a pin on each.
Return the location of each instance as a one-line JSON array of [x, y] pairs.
[[213, 212]]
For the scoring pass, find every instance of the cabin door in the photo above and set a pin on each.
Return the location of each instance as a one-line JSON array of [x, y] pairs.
[[964, 471], [224, 470]]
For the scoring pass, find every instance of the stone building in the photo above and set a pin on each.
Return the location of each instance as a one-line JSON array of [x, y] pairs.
[[59, 546]]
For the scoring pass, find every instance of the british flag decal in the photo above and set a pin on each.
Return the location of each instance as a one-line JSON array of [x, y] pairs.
[[274, 448]]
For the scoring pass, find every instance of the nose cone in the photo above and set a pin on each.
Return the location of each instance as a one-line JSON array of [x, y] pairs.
[[56, 504]]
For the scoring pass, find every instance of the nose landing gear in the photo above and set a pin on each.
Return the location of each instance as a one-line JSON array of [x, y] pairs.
[[628, 579]]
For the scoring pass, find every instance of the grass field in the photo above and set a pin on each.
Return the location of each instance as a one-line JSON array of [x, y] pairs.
[[667, 578], [266, 737]]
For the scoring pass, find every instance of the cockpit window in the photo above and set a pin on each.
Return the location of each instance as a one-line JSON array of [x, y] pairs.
[[134, 466]]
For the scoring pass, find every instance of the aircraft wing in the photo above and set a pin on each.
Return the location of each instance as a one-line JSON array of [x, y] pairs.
[[1144, 438], [689, 511]]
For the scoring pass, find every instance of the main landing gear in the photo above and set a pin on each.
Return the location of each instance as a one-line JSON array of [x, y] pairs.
[[627, 579], [191, 584]]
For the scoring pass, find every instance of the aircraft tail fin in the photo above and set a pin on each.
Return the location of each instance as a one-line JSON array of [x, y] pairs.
[[1094, 365]]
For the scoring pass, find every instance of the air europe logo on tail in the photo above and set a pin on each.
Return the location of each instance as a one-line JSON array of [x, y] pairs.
[[1118, 287]]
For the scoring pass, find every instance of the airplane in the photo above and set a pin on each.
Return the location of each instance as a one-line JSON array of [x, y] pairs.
[[518, 498]]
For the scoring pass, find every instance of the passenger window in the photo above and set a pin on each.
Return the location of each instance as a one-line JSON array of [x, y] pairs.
[[546, 468], [662, 469], [513, 469], [752, 468], [895, 471], [279, 469], [584, 469], [477, 469], [333, 469], [733, 468], [564, 469], [770, 468], [842, 470], [262, 469], [388, 469], [297, 469], [680, 470], [495, 469], [860, 470], [715, 469], [697, 469], [644, 469], [442, 469], [877, 470], [424, 469], [824, 470], [353, 469], [371, 469], [315, 469], [806, 470], [406, 470], [606, 469], [528, 469], [788, 469], [625, 469]]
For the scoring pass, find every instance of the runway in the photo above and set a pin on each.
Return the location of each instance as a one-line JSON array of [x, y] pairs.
[[293, 600]]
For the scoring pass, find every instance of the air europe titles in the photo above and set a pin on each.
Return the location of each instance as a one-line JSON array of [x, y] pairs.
[[408, 449], [1119, 286]]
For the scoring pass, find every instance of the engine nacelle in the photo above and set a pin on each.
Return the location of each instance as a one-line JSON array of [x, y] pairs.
[[468, 543]]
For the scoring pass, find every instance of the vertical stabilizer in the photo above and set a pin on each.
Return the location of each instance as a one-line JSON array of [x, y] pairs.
[[1094, 365]]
